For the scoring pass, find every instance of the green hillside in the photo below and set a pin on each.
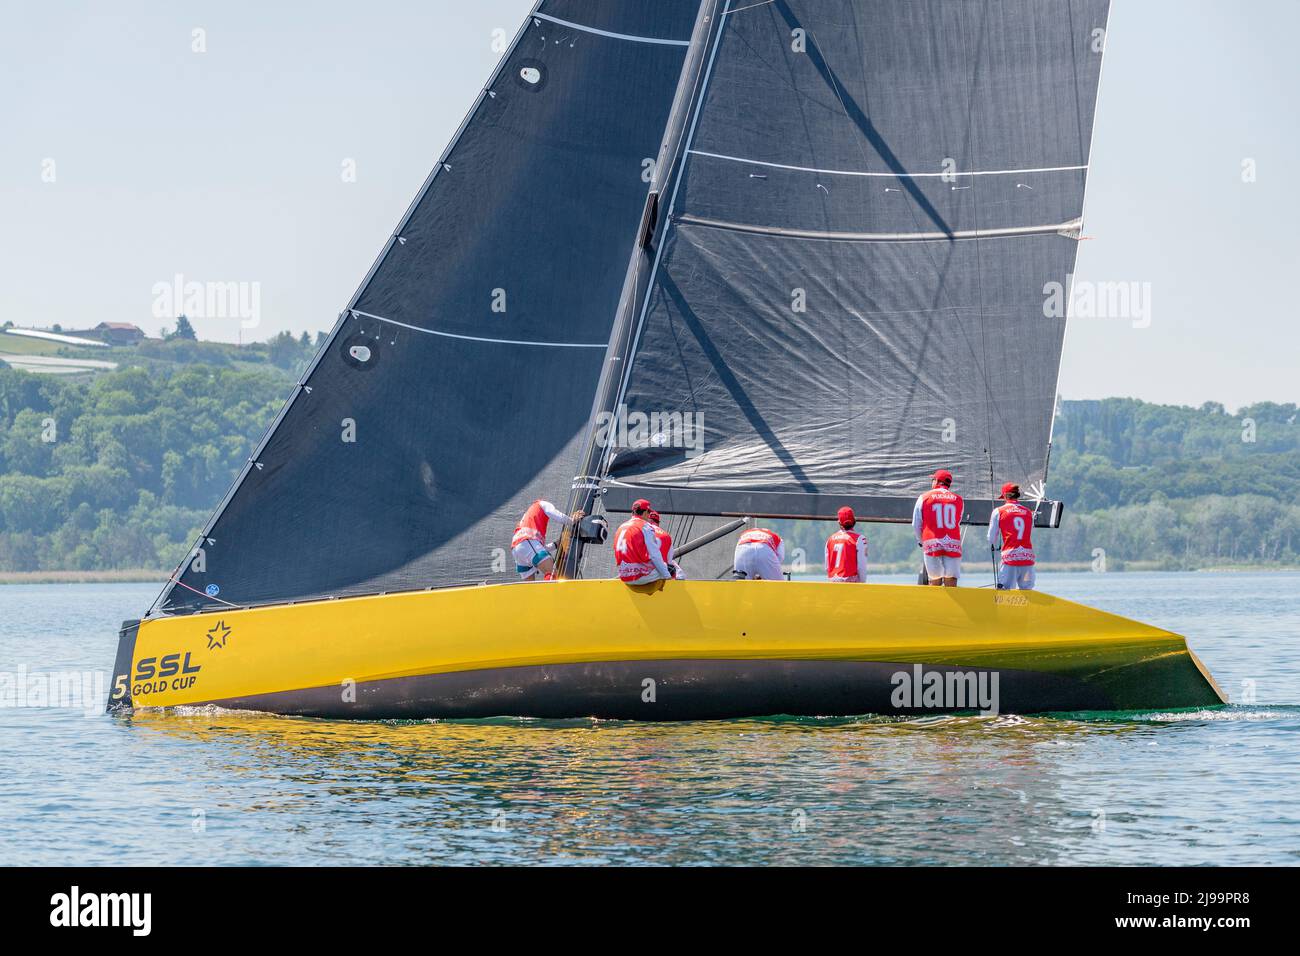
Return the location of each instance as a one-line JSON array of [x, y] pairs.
[[118, 470]]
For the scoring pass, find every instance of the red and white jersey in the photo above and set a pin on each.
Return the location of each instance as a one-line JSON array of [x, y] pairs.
[[665, 543], [633, 557], [535, 521], [936, 520], [846, 556], [763, 536], [664, 540], [1011, 529]]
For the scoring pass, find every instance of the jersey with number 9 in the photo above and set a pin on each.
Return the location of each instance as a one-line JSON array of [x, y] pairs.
[[1016, 525]]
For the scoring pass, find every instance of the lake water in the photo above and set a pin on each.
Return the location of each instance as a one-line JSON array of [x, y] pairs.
[[1214, 787]]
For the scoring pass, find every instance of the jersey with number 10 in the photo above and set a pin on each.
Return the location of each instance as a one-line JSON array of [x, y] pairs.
[[941, 511]]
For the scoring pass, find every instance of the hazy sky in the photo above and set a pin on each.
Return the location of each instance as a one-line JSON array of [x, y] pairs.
[[227, 165]]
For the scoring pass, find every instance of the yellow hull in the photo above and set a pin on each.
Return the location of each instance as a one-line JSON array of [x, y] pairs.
[[680, 650]]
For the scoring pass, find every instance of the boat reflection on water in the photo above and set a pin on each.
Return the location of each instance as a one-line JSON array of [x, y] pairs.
[[777, 791]]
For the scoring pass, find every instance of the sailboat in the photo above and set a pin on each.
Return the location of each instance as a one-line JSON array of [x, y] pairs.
[[745, 259]]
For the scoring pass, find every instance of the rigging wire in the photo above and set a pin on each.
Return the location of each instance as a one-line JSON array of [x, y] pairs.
[[979, 282], [204, 594]]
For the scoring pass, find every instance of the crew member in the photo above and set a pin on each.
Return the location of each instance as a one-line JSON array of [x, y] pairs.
[[637, 556], [936, 522], [532, 559], [1011, 529], [666, 546], [846, 551], [759, 555]]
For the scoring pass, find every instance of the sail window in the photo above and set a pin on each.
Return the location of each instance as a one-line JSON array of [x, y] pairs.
[[531, 75], [360, 352]]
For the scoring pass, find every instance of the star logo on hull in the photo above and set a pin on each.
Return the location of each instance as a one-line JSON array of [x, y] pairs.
[[217, 636]]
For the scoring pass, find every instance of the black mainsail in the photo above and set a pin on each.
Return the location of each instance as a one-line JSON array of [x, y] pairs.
[[873, 204], [456, 386]]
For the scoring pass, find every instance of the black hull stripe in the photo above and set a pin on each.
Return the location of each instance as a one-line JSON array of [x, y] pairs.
[[680, 690]]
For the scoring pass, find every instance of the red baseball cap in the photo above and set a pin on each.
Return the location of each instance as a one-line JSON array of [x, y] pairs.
[[846, 515], [654, 516], [943, 474], [640, 505], [1010, 488]]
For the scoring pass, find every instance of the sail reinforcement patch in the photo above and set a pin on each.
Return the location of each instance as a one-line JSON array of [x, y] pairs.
[[360, 352], [531, 75]]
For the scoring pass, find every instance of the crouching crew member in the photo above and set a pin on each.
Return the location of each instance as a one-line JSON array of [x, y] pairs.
[[936, 522], [532, 559], [637, 555], [759, 555], [666, 546], [1011, 531], [846, 551]]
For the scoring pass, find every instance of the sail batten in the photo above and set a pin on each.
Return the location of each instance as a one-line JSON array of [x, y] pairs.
[[946, 176], [478, 338], [606, 33], [1070, 229]]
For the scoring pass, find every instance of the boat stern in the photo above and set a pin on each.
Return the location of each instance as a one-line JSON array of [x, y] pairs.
[[119, 695]]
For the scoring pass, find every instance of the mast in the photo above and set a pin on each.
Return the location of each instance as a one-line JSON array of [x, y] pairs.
[[645, 255]]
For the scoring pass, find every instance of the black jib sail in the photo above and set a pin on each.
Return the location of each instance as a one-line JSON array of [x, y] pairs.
[[457, 385], [862, 260]]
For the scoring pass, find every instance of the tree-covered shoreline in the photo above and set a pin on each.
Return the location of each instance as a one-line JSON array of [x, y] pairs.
[[119, 470]]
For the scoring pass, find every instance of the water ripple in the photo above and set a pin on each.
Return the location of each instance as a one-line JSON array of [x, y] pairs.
[[202, 785]]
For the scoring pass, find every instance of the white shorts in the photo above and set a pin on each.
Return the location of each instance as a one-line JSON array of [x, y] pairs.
[[528, 554], [937, 566], [759, 562], [648, 578], [1016, 577]]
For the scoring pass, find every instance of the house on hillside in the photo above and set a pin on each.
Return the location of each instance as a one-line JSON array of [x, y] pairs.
[[118, 333]]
